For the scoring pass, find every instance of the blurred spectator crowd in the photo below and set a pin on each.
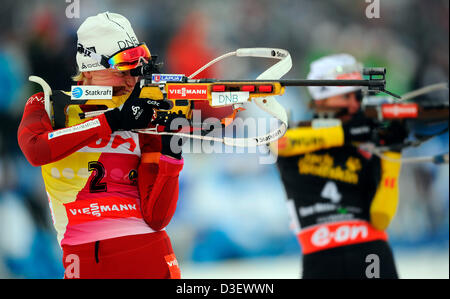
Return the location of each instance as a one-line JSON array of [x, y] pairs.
[[225, 210]]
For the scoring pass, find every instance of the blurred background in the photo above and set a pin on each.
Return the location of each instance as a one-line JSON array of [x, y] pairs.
[[232, 219]]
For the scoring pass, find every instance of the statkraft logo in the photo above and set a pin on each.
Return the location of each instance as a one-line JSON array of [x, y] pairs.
[[77, 92], [92, 92], [187, 91]]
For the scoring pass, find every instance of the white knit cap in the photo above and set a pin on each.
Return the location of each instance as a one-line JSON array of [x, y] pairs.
[[339, 66], [105, 34]]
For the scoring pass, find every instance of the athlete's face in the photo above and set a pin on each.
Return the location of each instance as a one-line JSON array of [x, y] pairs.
[[121, 81], [347, 101]]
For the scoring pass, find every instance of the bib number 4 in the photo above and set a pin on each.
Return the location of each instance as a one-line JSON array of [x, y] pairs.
[[331, 192]]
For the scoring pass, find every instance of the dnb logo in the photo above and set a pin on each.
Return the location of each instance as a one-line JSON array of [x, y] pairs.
[[77, 92]]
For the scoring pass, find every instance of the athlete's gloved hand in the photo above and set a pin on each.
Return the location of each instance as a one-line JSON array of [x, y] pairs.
[[135, 113], [171, 145], [359, 129], [395, 133]]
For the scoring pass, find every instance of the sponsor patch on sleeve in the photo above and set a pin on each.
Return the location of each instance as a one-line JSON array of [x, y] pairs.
[[78, 128]]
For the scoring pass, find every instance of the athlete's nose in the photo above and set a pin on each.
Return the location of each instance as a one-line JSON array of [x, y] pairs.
[[130, 81], [353, 105]]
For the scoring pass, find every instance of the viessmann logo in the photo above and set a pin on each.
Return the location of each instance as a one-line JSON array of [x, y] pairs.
[[187, 92], [97, 210], [80, 212]]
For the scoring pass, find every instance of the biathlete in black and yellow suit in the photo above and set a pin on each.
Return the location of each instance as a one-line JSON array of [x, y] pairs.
[[341, 198]]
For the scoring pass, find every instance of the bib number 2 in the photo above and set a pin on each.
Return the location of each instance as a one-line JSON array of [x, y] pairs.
[[95, 185]]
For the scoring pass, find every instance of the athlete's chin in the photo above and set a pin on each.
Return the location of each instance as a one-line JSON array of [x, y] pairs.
[[121, 90]]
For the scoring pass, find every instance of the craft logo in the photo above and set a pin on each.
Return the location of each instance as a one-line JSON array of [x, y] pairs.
[[400, 110], [91, 92], [163, 78], [179, 92]]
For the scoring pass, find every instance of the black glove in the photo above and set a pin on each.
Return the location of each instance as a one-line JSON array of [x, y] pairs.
[[136, 113], [171, 144], [359, 129], [394, 133]]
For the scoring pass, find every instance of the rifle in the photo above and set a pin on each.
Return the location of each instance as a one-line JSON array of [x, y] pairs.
[[176, 96], [424, 117]]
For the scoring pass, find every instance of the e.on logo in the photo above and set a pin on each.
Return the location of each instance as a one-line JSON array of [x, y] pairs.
[[324, 237]]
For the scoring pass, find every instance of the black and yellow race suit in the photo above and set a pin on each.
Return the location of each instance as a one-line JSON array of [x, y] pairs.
[[341, 200]]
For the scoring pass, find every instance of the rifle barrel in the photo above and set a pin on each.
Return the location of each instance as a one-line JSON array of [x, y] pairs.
[[296, 82], [305, 82]]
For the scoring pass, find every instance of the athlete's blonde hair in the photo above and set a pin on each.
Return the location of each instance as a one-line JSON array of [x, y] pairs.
[[79, 77]]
